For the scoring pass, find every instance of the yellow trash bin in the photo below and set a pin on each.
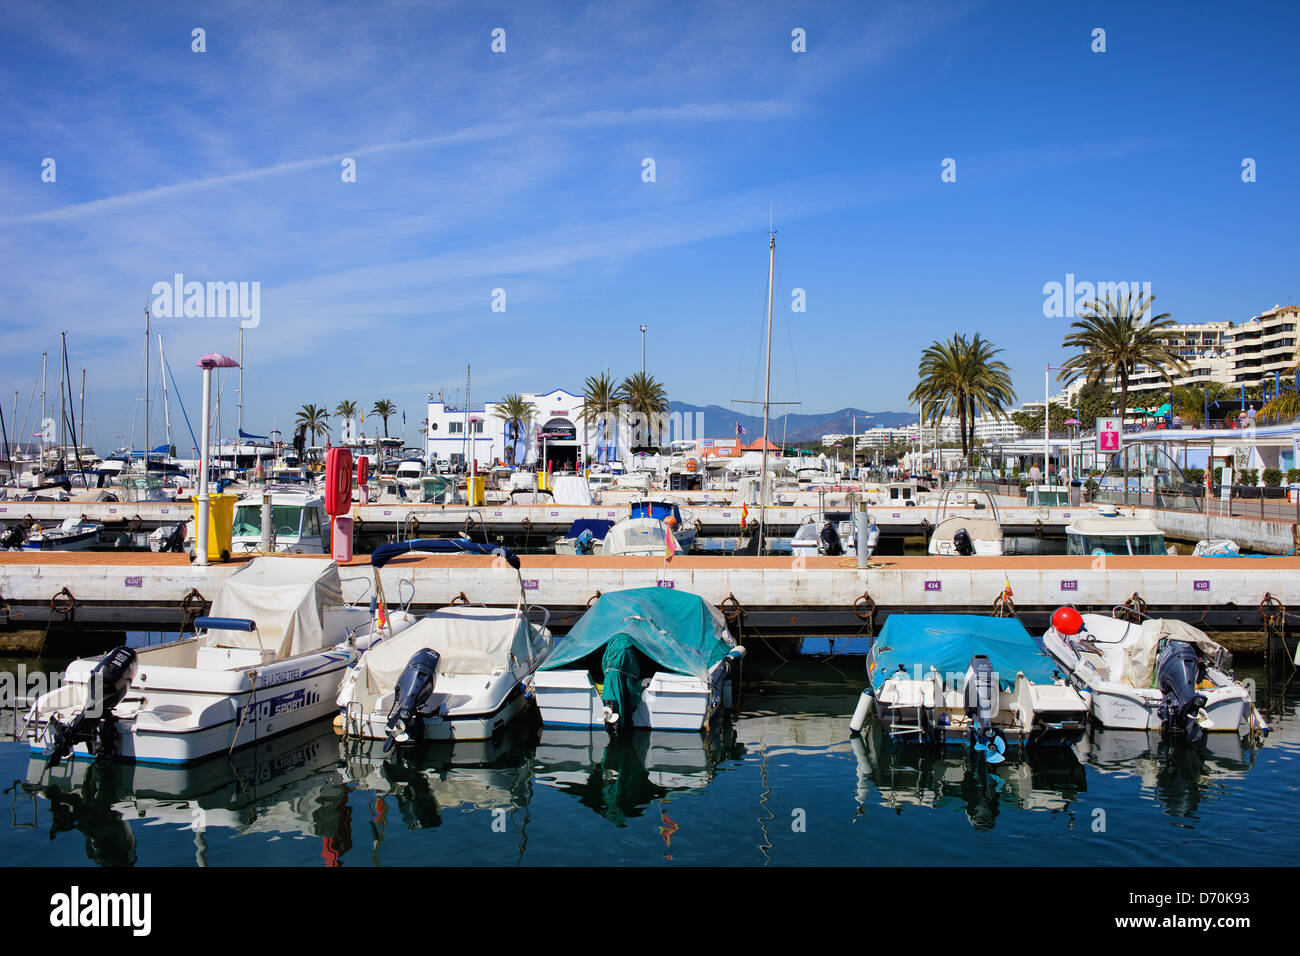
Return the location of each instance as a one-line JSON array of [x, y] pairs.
[[221, 520], [541, 481], [477, 491]]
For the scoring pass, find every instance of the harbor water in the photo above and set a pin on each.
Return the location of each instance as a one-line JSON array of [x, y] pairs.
[[783, 783]]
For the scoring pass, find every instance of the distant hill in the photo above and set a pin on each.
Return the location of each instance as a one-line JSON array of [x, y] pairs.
[[720, 422]]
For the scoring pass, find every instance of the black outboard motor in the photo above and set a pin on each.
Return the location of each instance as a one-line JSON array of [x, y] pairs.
[[95, 726], [962, 542], [411, 698], [980, 691], [14, 537], [831, 541], [1179, 669]]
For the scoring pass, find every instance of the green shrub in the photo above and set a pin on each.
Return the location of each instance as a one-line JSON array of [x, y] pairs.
[[1248, 476], [1218, 474], [1293, 476], [1194, 476], [1272, 477]]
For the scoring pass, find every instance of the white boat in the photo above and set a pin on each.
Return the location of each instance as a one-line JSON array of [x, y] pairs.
[[267, 660], [966, 523], [1114, 533], [652, 658], [460, 673], [298, 522], [1123, 670], [963, 679], [831, 533], [645, 530], [73, 534]]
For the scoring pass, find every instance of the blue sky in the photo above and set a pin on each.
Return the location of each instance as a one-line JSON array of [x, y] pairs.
[[522, 171]]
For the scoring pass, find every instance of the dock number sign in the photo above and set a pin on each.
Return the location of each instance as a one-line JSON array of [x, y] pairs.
[[1108, 435]]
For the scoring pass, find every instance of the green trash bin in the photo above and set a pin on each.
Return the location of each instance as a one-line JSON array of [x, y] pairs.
[[221, 520]]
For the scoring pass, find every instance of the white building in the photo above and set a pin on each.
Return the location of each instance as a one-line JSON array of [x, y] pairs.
[[556, 434]]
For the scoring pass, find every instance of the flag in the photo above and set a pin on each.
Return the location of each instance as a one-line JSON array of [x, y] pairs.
[[1006, 588], [403, 419], [363, 415], [740, 429], [381, 616], [744, 514], [670, 544]]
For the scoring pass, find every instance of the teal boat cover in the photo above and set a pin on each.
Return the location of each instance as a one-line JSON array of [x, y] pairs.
[[947, 642], [679, 631]]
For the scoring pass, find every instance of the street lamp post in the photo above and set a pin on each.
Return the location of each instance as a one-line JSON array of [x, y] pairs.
[[643, 351], [207, 363]]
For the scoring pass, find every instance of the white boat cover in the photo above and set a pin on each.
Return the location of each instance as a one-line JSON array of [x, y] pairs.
[[1141, 648], [571, 490], [635, 536], [469, 640], [287, 598], [747, 493]]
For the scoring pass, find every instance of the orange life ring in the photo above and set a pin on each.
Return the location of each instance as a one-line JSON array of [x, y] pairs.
[[692, 464]]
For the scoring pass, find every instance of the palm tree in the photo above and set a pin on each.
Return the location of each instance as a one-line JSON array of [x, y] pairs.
[[347, 408], [383, 408], [599, 394], [644, 395], [1190, 401], [961, 377], [517, 414], [1113, 337], [314, 420]]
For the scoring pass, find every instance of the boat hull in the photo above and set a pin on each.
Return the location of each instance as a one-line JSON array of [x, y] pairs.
[[569, 698]]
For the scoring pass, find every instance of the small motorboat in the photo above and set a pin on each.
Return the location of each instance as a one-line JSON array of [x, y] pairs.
[[964, 679], [459, 673], [652, 658], [1155, 675], [267, 660], [966, 523], [831, 533], [585, 536], [72, 534], [1114, 533], [298, 523]]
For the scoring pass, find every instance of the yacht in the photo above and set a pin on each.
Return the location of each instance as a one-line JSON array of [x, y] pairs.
[[1114, 533], [299, 524]]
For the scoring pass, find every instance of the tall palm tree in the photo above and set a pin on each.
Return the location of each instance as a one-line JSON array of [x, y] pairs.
[[645, 396], [599, 395], [517, 414], [383, 408], [314, 420], [1113, 337], [959, 378], [346, 409]]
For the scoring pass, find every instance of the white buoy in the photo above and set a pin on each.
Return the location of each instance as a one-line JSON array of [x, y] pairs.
[[860, 713]]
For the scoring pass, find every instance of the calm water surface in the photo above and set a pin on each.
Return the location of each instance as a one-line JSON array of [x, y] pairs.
[[783, 783]]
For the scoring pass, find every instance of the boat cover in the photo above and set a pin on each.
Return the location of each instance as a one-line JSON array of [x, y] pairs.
[[947, 642], [469, 640], [599, 527], [1143, 648], [286, 597], [679, 631], [571, 490]]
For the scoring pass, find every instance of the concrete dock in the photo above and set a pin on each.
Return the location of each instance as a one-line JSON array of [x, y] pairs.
[[75, 592]]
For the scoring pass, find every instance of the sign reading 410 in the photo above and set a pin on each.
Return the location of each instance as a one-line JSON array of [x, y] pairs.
[[1108, 436]]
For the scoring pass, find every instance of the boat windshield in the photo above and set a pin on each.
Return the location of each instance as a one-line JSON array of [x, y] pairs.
[[1138, 544], [284, 518]]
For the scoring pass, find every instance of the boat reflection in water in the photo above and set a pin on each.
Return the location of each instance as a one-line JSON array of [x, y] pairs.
[[1177, 773], [902, 775], [287, 785], [435, 777], [620, 776]]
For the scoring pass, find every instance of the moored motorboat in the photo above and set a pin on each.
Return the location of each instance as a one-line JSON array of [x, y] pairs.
[[1154, 675], [267, 660], [961, 679], [72, 534], [459, 673], [653, 658]]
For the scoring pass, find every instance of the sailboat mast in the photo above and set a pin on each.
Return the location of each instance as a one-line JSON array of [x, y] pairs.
[[146, 392], [83, 402], [767, 390], [240, 405], [44, 411], [162, 374], [63, 405]]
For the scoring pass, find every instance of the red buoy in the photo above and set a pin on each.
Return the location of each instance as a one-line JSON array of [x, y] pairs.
[[338, 482], [1067, 621], [363, 469]]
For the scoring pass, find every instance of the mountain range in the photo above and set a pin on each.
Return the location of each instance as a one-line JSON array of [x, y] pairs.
[[720, 422]]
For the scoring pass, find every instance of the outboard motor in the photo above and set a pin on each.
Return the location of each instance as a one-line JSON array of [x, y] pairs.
[[1179, 669], [95, 726], [586, 543], [14, 537], [830, 543], [980, 690], [962, 542], [411, 698]]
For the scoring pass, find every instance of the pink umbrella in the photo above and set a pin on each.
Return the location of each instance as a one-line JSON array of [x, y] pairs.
[[216, 360]]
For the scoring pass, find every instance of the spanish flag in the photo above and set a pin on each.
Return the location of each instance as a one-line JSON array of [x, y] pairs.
[[670, 543], [744, 514], [381, 617], [1006, 588]]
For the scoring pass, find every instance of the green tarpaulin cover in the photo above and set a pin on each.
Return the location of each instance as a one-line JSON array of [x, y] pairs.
[[677, 630]]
